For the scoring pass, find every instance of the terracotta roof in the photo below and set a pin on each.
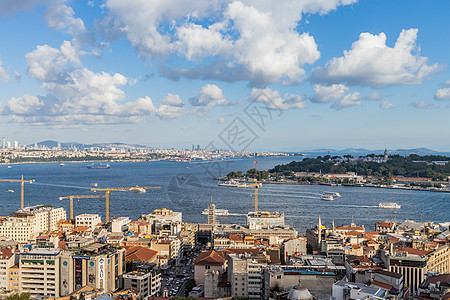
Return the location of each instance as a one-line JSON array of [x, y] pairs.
[[413, 251], [209, 258], [348, 227], [80, 228], [385, 224], [6, 253], [138, 253], [382, 285]]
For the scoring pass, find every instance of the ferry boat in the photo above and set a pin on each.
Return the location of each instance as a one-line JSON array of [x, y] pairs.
[[137, 189], [327, 197], [334, 194], [219, 212], [389, 205], [10, 191], [61, 165], [231, 183], [107, 166]]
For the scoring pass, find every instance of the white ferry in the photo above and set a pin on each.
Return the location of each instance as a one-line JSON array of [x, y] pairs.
[[389, 205], [10, 191], [231, 183], [327, 197], [334, 194], [219, 212]]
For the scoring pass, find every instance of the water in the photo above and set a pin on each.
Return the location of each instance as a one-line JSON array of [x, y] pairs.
[[189, 187]]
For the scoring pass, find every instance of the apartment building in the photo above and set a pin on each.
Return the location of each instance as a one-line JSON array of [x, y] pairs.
[[245, 274], [40, 272], [147, 283], [14, 279], [25, 225], [88, 220], [7, 260]]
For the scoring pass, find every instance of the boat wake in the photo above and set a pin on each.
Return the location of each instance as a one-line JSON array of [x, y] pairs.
[[351, 205], [61, 185]]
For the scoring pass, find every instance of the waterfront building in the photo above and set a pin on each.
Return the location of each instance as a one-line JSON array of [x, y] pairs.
[[385, 226], [26, 224], [256, 220], [88, 220]]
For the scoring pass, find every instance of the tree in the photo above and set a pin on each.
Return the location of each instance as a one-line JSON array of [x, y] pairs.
[[17, 296]]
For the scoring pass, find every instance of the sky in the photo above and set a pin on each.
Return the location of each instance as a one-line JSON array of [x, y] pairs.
[[286, 75]]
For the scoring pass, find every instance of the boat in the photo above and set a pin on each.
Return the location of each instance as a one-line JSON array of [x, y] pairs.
[[11, 191], [95, 184], [218, 212], [389, 205], [327, 197], [9, 167], [231, 183], [137, 190], [107, 166], [334, 194], [61, 165]]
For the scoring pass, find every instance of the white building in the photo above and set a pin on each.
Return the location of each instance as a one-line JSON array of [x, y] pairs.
[[119, 224], [261, 219], [89, 220], [163, 214], [26, 224]]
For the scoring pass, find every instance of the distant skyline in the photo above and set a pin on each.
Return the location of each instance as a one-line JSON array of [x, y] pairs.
[[284, 75]]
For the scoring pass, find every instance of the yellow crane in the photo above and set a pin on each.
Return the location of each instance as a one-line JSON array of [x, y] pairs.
[[256, 185], [79, 197], [108, 190], [21, 183]]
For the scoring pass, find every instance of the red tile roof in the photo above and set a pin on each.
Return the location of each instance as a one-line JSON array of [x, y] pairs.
[[138, 253], [209, 258]]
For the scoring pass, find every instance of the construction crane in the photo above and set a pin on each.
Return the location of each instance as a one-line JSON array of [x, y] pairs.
[[256, 185], [79, 197], [21, 183], [108, 190]]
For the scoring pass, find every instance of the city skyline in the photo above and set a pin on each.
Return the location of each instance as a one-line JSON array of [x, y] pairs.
[[335, 74]]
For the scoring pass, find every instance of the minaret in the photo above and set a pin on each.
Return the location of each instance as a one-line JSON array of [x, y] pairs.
[[211, 213], [319, 234], [332, 226], [386, 157]]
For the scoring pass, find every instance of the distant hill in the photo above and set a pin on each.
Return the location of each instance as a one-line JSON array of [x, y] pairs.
[[379, 151], [51, 144]]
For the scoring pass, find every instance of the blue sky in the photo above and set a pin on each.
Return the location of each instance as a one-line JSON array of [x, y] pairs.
[[329, 73]]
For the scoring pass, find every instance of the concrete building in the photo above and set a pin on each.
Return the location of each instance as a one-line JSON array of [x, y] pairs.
[[343, 290], [89, 220], [14, 279], [119, 224], [245, 274], [279, 278], [146, 283], [40, 272], [414, 264], [26, 224], [7, 260], [208, 261], [256, 220], [163, 214]]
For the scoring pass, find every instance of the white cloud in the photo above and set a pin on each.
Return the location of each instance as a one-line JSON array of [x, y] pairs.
[[370, 62], [244, 40], [3, 74], [47, 63], [349, 100], [325, 94], [210, 96], [74, 96], [386, 105], [62, 17], [421, 104], [442, 94], [275, 100], [171, 107]]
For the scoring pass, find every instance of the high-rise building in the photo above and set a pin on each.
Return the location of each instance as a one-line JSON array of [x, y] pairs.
[[3, 142]]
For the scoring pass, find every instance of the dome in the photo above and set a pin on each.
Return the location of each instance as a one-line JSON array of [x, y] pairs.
[[299, 293]]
